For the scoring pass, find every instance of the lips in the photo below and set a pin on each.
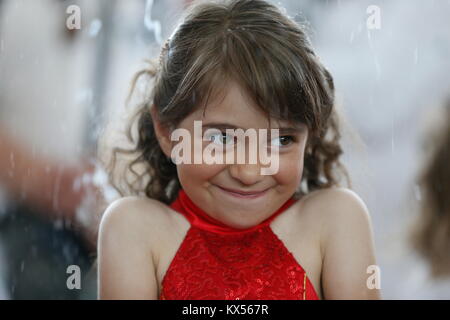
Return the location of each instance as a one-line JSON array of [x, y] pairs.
[[243, 194]]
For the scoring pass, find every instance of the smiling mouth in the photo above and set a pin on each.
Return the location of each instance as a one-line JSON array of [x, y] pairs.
[[244, 194]]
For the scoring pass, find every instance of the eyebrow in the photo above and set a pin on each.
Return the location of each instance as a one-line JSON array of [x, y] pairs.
[[224, 126]]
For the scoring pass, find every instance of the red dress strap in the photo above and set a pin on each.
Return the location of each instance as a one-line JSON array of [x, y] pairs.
[[200, 219], [218, 262]]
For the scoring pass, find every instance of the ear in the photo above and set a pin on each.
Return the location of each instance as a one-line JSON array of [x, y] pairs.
[[162, 132]]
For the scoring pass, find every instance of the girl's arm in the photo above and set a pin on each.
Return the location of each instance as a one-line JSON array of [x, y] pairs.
[[348, 248], [125, 259]]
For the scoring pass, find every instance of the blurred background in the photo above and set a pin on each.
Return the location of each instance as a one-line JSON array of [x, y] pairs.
[[60, 87]]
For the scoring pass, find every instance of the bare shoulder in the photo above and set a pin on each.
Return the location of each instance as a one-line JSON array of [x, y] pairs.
[[337, 208], [127, 261], [135, 217], [347, 245], [336, 203]]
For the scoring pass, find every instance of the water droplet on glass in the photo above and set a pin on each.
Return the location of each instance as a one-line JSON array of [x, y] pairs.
[[417, 192], [95, 27], [152, 25]]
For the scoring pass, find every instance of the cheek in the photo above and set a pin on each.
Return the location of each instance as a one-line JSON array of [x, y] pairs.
[[197, 173], [291, 168]]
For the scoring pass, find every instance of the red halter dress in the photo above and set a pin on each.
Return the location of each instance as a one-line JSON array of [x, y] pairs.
[[218, 262]]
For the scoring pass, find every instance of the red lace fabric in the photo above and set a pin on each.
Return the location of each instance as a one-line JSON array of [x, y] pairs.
[[218, 262]]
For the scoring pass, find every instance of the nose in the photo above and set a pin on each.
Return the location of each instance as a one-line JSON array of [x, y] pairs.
[[248, 174]]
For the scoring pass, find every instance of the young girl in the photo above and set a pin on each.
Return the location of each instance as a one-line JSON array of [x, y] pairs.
[[225, 230]]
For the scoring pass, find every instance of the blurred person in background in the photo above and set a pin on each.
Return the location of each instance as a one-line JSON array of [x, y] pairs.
[[430, 236], [54, 189], [47, 219], [40, 229], [56, 85]]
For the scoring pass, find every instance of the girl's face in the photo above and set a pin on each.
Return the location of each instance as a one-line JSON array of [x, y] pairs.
[[208, 185]]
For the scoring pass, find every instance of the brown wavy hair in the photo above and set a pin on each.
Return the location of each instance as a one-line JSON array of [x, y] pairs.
[[269, 54], [431, 234]]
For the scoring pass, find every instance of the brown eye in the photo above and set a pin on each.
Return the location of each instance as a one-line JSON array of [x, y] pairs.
[[285, 140], [282, 141]]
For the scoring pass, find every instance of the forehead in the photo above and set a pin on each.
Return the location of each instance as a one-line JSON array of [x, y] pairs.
[[232, 105]]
